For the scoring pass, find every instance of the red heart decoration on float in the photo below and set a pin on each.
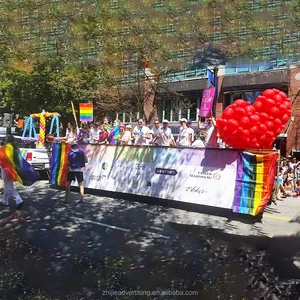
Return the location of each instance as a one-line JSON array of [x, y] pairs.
[[243, 125]]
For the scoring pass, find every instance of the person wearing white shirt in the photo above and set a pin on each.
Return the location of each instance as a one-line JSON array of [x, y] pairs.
[[164, 136], [94, 134], [141, 134], [154, 131], [125, 134], [185, 135], [192, 131]]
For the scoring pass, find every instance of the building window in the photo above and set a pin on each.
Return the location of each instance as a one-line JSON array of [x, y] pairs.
[[175, 108], [244, 95]]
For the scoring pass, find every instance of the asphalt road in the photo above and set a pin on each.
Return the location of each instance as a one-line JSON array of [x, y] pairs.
[[151, 248]]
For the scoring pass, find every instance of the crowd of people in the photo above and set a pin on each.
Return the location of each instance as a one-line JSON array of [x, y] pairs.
[[159, 134], [288, 178]]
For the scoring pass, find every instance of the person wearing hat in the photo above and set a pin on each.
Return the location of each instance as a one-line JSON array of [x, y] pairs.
[[141, 134], [164, 136], [76, 160], [125, 134], [154, 131], [185, 135]]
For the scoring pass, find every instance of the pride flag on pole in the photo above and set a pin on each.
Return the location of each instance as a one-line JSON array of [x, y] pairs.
[[86, 112]]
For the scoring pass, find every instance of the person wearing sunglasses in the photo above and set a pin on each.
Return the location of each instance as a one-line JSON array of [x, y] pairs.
[[164, 136]]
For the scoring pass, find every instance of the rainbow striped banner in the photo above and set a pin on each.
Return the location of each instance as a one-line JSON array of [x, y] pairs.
[[224, 178], [86, 112], [60, 168], [254, 182]]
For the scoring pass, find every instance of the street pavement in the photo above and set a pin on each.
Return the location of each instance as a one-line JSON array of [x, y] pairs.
[[142, 235]]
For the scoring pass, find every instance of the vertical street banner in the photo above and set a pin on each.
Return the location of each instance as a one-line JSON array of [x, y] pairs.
[[207, 102], [86, 112], [230, 179]]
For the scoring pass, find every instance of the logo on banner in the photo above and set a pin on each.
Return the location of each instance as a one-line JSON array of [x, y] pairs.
[[195, 189], [156, 184], [105, 166], [98, 178], [161, 171], [216, 176]]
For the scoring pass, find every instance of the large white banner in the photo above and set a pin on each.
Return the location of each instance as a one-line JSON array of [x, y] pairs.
[[189, 175]]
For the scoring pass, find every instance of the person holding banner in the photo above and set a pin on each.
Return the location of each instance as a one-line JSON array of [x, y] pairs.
[[211, 133]]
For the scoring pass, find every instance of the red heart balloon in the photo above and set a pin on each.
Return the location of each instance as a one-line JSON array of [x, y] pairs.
[[256, 126]]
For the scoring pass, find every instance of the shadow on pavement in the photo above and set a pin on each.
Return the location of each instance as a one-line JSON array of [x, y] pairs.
[[58, 257], [209, 210]]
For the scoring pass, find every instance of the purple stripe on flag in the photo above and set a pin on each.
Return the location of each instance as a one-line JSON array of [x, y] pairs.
[[238, 184]]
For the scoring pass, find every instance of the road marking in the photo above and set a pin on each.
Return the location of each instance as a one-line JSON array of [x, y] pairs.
[[102, 224], [156, 234], [279, 235], [277, 217], [118, 228], [156, 228]]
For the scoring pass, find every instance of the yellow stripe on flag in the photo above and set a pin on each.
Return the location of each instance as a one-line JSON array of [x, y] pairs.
[[62, 162]]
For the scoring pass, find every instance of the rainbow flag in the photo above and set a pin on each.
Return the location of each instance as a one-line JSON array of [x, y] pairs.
[[16, 167], [254, 182], [114, 136], [86, 112], [59, 168]]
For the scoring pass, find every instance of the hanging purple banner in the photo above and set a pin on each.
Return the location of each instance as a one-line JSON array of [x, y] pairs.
[[207, 103]]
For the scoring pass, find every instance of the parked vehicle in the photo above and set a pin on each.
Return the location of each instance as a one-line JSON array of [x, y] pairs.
[[39, 158]]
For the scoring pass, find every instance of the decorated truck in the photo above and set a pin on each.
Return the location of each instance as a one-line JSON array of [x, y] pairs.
[[34, 146]]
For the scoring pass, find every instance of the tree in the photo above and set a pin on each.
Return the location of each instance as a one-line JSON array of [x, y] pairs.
[[53, 52]]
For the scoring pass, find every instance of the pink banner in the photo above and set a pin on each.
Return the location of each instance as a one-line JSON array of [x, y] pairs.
[[207, 103]]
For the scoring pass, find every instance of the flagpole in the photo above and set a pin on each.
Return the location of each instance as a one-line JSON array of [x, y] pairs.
[[216, 92], [74, 114]]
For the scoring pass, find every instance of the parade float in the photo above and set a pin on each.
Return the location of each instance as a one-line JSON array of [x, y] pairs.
[[240, 179], [30, 135], [37, 146]]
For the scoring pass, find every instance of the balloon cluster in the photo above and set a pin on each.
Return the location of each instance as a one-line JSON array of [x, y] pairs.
[[256, 126]]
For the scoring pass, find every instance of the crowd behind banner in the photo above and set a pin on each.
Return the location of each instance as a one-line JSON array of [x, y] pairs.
[[158, 134], [288, 178]]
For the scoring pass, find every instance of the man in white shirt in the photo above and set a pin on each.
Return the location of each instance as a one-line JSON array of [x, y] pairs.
[[154, 131], [192, 131], [141, 134], [164, 136], [94, 134], [185, 135]]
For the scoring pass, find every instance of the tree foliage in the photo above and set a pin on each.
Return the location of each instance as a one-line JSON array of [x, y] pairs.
[[54, 52]]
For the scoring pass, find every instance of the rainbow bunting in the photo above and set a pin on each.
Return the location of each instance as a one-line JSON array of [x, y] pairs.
[[86, 112], [254, 182], [59, 167], [16, 167]]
